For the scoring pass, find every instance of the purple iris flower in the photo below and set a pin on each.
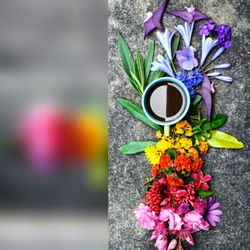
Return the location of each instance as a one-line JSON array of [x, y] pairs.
[[205, 28], [224, 35], [190, 15], [186, 59], [211, 213], [154, 22]]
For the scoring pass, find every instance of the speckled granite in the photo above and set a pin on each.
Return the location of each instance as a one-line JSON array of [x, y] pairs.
[[227, 167]]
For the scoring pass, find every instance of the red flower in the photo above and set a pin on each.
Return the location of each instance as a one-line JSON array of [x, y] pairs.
[[155, 170], [201, 181], [165, 162]]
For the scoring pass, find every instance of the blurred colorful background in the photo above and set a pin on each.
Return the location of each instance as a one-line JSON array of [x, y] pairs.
[[53, 130]]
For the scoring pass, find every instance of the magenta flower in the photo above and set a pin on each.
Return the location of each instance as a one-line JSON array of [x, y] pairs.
[[201, 181], [211, 214], [194, 222], [189, 15], [174, 220], [154, 21], [186, 59], [206, 28], [159, 229], [147, 219], [161, 242]]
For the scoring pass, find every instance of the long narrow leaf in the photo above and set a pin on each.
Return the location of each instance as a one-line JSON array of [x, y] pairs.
[[137, 83], [134, 147], [126, 56], [175, 46], [138, 113], [149, 59], [140, 67], [156, 74]]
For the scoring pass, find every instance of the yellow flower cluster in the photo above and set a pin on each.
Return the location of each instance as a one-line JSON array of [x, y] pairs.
[[182, 145], [183, 127], [203, 147]]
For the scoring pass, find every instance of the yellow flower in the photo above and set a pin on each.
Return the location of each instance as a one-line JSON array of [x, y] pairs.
[[193, 153], [165, 143], [184, 143], [153, 154], [183, 127], [203, 147], [158, 134]]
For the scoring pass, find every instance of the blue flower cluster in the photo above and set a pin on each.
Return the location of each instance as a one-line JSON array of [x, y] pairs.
[[192, 80]]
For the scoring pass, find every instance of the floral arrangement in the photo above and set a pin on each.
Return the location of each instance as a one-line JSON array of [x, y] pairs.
[[178, 198]]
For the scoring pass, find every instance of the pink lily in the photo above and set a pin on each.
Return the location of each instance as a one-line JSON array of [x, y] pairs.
[[201, 181]]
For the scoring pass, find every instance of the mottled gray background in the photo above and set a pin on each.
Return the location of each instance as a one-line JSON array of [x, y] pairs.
[[227, 167]]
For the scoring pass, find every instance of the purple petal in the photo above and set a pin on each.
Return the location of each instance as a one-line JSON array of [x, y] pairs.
[[215, 212], [215, 205], [205, 92], [184, 15], [211, 221], [198, 16], [218, 53], [155, 21], [214, 218], [224, 78]]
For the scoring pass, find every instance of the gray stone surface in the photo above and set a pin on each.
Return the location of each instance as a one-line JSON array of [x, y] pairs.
[[227, 167]]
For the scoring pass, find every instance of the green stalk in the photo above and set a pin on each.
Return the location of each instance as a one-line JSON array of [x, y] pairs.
[[173, 67], [167, 130]]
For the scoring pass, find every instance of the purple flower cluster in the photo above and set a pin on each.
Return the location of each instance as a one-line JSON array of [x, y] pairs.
[[192, 80], [224, 35], [206, 28]]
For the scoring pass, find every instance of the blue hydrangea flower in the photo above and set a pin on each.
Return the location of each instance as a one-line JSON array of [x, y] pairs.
[[192, 80]]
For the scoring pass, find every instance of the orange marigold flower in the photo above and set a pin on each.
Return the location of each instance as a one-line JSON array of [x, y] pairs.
[[182, 163], [155, 170], [183, 127], [192, 153], [197, 164], [174, 180], [165, 162], [203, 147]]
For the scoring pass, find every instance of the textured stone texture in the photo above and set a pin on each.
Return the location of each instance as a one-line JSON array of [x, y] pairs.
[[227, 167]]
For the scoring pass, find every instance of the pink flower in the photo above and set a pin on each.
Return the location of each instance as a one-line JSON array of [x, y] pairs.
[[185, 234], [147, 219], [200, 180], [159, 229], [174, 220], [193, 222], [161, 242], [172, 244], [186, 59]]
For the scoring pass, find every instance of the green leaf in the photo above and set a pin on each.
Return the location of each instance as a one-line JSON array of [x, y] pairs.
[[175, 46], [222, 140], [203, 193], [193, 105], [156, 74], [134, 147], [138, 113], [171, 152], [216, 121], [140, 67], [149, 59], [136, 83], [126, 56]]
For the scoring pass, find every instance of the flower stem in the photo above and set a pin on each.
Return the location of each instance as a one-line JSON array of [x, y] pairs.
[[207, 70], [167, 130], [173, 67], [202, 68]]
